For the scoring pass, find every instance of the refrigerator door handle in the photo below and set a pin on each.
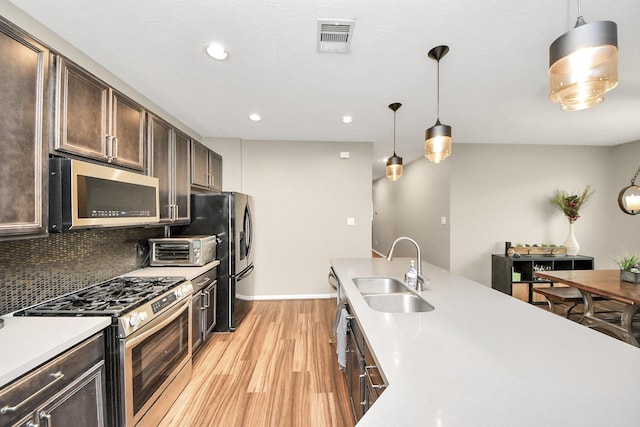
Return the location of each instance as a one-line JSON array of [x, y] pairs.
[[244, 273]]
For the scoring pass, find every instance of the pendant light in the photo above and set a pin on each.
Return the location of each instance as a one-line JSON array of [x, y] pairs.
[[394, 163], [629, 197], [437, 146], [583, 64]]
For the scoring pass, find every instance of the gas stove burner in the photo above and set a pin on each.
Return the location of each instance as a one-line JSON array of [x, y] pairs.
[[110, 298]]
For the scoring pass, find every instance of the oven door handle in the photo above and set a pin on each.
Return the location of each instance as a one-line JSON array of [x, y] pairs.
[[177, 311]]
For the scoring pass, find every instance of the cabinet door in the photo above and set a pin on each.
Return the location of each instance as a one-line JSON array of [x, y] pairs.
[[215, 170], [82, 112], [355, 376], [23, 82], [199, 165], [80, 404], [196, 321], [182, 177], [210, 301], [160, 136], [127, 129]]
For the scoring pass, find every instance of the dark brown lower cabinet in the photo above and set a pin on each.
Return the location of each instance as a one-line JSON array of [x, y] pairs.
[[66, 391], [203, 307], [364, 380]]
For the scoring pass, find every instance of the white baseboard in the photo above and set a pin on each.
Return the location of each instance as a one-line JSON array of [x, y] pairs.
[[285, 297]]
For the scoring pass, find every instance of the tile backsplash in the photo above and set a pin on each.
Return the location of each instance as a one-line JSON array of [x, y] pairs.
[[35, 270]]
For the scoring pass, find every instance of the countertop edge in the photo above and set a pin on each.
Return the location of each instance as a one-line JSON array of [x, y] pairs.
[[18, 367]]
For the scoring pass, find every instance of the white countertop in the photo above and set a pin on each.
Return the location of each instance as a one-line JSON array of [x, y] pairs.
[[27, 342], [189, 272], [483, 358]]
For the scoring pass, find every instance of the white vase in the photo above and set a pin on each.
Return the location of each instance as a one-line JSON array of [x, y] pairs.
[[572, 245]]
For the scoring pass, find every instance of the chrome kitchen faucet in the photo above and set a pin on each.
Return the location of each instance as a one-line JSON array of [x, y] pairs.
[[421, 279]]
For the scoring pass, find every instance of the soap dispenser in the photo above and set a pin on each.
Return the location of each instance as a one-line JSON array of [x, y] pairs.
[[411, 277]]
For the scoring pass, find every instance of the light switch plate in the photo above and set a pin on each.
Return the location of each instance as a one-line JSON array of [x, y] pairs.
[[344, 154], [351, 221]]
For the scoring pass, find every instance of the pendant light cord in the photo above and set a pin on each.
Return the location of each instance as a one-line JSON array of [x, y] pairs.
[[394, 133], [580, 19], [438, 95], [579, 8], [633, 180]]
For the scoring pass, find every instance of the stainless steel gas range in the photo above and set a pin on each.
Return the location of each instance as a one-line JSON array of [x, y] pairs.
[[148, 345]]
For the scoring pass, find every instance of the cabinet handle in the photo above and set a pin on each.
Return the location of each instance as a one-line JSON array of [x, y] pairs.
[[109, 147], [46, 417], [114, 149], [370, 381], [207, 299], [204, 282], [57, 377], [176, 213]]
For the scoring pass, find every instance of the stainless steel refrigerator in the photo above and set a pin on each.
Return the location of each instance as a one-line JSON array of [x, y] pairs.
[[229, 216]]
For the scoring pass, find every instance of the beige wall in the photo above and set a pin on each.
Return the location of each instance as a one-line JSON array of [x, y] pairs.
[[303, 193], [626, 228], [413, 207], [231, 151], [500, 193]]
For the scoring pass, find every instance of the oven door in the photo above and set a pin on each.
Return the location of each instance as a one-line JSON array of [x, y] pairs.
[[157, 364]]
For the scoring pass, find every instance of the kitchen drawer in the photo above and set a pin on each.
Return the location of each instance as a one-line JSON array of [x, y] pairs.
[[23, 395]]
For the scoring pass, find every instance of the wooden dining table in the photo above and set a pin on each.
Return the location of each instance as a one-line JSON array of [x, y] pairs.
[[604, 283]]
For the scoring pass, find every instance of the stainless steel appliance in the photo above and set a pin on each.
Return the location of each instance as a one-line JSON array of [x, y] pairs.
[[148, 345], [86, 195], [229, 216], [183, 251]]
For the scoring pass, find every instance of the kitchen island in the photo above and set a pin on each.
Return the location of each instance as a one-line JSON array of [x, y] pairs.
[[483, 358]]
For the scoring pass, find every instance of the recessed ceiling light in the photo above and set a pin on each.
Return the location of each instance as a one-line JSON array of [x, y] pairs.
[[347, 119], [255, 117], [217, 51]]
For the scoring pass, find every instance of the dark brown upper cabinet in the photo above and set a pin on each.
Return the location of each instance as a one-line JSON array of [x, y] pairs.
[[169, 161], [206, 168], [95, 121], [24, 67]]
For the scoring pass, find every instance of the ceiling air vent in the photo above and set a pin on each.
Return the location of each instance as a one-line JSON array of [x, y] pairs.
[[334, 35]]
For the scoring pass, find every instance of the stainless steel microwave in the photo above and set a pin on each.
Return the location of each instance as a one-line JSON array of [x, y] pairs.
[[87, 195], [183, 251]]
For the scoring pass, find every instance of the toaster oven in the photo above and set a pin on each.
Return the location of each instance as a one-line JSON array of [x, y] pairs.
[[187, 251]]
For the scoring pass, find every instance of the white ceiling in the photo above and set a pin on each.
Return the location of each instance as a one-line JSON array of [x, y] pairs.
[[493, 81]]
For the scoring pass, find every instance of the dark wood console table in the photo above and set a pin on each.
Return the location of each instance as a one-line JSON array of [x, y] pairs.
[[503, 268]]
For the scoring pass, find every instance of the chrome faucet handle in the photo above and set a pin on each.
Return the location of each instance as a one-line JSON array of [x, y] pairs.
[[421, 282]]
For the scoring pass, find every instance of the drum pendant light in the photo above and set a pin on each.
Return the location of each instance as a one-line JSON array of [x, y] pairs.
[[629, 197], [394, 163], [437, 146], [583, 64]]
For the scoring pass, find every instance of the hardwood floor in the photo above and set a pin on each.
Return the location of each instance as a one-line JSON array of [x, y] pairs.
[[277, 369]]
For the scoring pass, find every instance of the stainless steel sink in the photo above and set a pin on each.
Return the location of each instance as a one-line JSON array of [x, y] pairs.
[[398, 303], [379, 285]]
